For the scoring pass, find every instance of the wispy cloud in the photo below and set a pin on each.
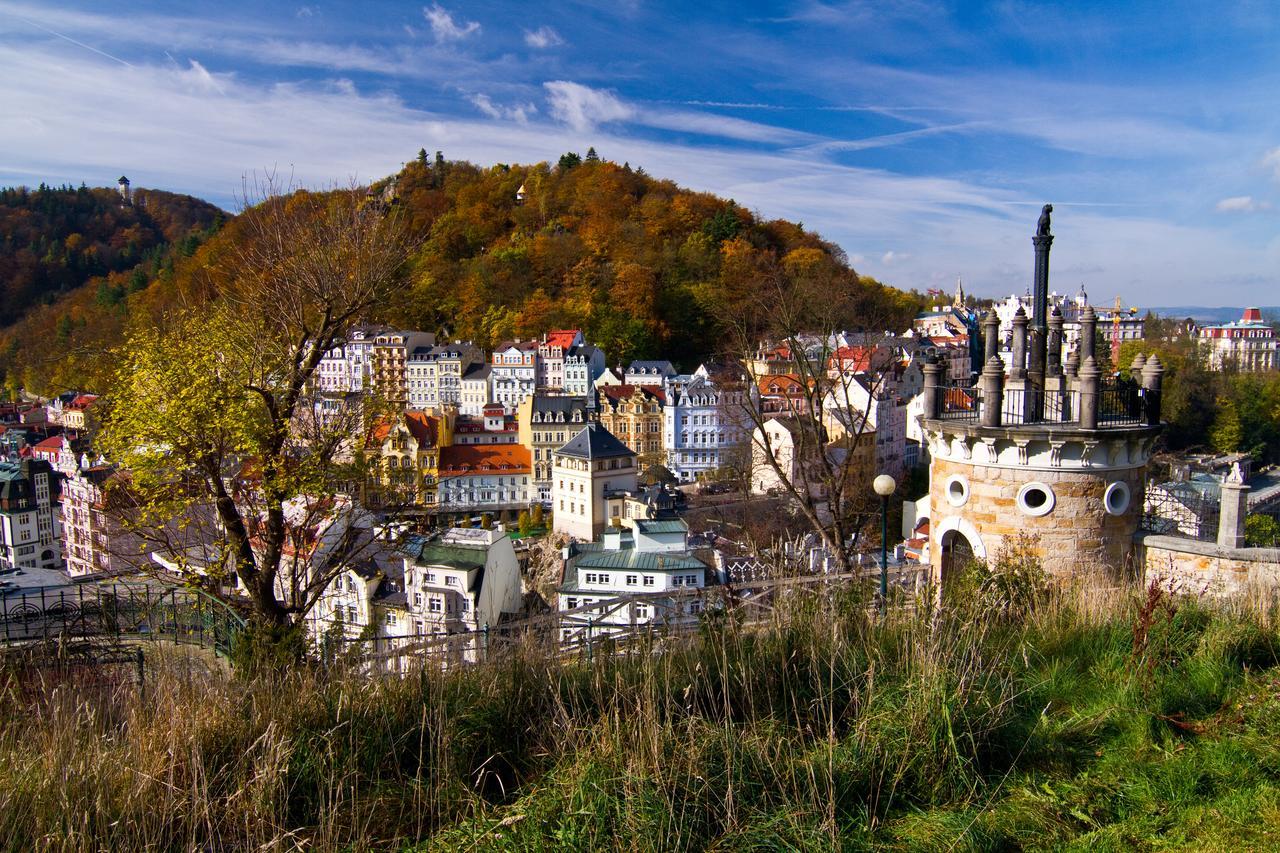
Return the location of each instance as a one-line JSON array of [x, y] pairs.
[[519, 113], [1271, 160], [542, 38], [1242, 204], [582, 107], [444, 27]]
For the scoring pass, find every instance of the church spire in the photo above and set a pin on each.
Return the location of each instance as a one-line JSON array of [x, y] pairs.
[[959, 300]]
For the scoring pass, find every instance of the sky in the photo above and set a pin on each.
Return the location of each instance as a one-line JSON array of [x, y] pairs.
[[920, 137]]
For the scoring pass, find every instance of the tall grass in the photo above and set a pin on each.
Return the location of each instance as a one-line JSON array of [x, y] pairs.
[[827, 729]]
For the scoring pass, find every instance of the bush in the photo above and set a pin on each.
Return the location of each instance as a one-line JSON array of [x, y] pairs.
[[1009, 587]]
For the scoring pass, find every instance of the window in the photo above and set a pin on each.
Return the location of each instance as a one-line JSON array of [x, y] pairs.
[[1116, 498], [571, 603], [434, 605], [1036, 499], [450, 581], [632, 580], [391, 618], [464, 606], [648, 580], [642, 611], [417, 599], [957, 490], [677, 580]]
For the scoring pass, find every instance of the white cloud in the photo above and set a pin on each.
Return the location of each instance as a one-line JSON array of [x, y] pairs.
[[582, 107], [1242, 204], [891, 257], [444, 27], [542, 38], [1271, 160], [519, 113]]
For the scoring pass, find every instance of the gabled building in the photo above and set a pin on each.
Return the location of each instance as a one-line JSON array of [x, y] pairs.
[[593, 474], [552, 350], [30, 523], [493, 426], [434, 374], [705, 422], [546, 423], [408, 456], [583, 365], [633, 413]]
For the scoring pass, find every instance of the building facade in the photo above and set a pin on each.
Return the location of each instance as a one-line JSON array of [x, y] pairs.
[[633, 413], [705, 425], [1248, 344], [30, 521], [513, 373], [546, 423], [593, 472]]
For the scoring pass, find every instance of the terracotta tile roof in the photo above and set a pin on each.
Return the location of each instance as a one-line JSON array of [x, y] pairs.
[[421, 426], [464, 459], [562, 338]]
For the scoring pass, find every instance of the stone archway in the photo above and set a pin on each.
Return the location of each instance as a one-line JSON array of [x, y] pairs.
[[958, 542], [957, 552]]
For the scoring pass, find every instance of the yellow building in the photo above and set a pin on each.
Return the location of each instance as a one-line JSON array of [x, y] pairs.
[[408, 459], [633, 413], [546, 422]]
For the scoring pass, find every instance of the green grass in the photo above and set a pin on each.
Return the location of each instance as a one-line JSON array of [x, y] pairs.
[[824, 731]]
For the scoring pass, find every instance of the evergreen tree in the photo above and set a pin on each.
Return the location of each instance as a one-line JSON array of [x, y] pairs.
[[568, 160], [592, 157]]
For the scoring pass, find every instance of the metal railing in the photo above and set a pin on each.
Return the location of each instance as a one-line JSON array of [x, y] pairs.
[[1177, 509], [961, 401], [1034, 406], [1121, 402]]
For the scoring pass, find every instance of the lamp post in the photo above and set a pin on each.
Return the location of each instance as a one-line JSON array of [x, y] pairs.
[[884, 486]]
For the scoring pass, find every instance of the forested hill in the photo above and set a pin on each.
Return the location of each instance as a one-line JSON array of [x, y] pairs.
[[647, 269], [53, 240]]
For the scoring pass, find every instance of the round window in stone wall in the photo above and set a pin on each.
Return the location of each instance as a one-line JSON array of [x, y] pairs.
[[1116, 498], [956, 489], [1036, 499]]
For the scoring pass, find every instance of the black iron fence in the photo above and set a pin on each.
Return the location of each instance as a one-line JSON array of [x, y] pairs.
[[1179, 509], [119, 610], [961, 401], [1121, 402], [1034, 406]]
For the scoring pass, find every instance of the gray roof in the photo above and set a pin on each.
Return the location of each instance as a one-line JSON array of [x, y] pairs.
[[547, 403], [664, 367], [478, 372], [662, 526], [595, 442]]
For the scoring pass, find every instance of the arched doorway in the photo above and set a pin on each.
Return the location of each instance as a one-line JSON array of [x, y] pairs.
[[957, 552]]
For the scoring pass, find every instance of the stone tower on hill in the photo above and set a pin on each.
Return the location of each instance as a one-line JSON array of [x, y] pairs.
[[1052, 449]]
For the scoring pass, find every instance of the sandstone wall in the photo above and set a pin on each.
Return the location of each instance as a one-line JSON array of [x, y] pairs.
[[1205, 568]]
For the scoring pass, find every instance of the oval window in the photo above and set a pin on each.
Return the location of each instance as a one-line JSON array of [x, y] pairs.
[[1036, 499], [1116, 498], [957, 490]]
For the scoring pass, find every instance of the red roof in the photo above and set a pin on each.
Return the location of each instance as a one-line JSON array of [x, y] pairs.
[[422, 427], [470, 459], [50, 445], [82, 401], [562, 338]]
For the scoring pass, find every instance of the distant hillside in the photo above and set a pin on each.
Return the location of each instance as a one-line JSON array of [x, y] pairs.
[[643, 266], [55, 240], [1202, 314]]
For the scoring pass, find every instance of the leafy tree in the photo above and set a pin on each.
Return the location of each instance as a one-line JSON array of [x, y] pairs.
[[523, 523], [486, 521], [211, 413], [1261, 531], [537, 518], [1226, 434]]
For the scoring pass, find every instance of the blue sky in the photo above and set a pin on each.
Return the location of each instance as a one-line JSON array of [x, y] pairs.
[[921, 137]]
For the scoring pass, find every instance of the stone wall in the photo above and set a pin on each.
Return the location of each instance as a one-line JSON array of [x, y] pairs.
[[1076, 534], [1205, 568]]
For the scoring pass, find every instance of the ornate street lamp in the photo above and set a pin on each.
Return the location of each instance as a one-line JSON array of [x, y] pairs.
[[884, 486]]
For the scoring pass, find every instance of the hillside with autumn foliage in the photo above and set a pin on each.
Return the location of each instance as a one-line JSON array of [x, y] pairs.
[[646, 268]]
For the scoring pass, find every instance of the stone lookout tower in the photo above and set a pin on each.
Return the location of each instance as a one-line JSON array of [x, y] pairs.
[[123, 186], [1052, 449]]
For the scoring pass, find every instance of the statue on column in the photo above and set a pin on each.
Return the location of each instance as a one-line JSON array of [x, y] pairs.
[[1042, 227]]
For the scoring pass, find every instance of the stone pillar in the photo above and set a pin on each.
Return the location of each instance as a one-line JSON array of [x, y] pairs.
[[1072, 366], [992, 391], [1135, 369], [991, 336], [933, 399], [1088, 333], [1089, 379], [1234, 510], [1018, 363], [1053, 356], [1152, 380]]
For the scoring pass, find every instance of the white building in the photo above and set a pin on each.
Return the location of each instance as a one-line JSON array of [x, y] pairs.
[[474, 389], [492, 478], [647, 561], [30, 526], [434, 374], [704, 423], [776, 437], [1248, 344], [648, 373], [345, 367], [460, 581], [582, 366], [513, 373], [591, 474]]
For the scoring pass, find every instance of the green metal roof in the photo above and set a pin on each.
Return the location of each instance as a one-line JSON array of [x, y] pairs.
[[663, 526], [451, 556], [629, 558]]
